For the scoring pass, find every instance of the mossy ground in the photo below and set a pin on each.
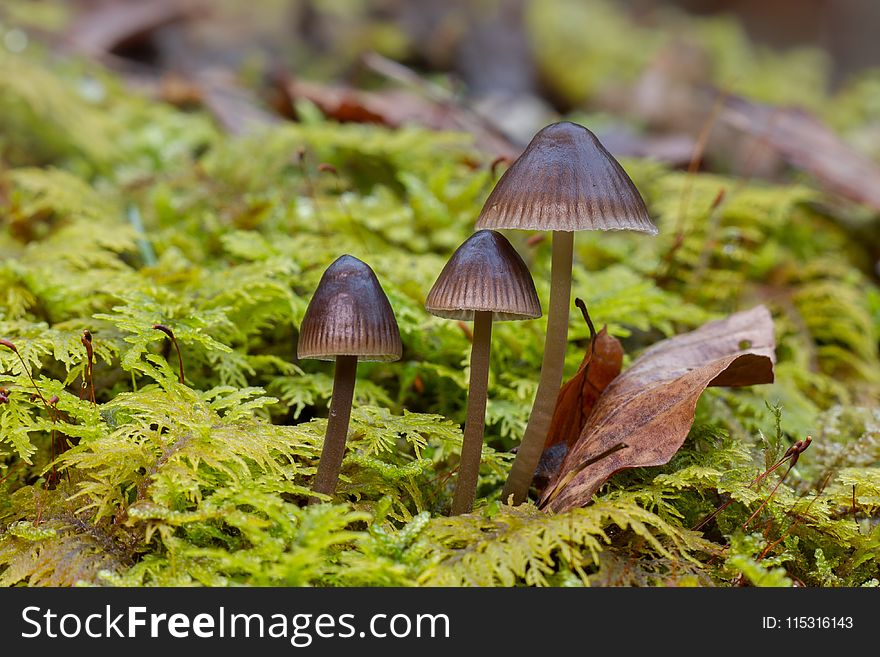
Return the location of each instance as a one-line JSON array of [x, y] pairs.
[[118, 213]]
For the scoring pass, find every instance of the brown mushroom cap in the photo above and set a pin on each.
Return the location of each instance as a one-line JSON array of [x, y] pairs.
[[566, 180], [487, 274], [349, 315]]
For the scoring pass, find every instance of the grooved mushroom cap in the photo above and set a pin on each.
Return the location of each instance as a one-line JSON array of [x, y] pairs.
[[349, 315], [566, 180], [485, 273]]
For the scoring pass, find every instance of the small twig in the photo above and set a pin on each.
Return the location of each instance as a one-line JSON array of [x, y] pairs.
[[167, 331]]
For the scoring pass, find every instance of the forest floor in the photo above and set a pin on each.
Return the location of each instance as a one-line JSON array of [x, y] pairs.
[[209, 196]]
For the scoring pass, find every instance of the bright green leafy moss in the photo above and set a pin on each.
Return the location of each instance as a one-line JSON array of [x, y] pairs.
[[205, 482]]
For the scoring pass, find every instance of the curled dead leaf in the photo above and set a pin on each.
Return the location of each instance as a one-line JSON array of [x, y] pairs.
[[650, 407], [601, 364]]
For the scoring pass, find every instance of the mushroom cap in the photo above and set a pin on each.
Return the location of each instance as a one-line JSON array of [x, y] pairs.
[[349, 315], [566, 180], [485, 273]]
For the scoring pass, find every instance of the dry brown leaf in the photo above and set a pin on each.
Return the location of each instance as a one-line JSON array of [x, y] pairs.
[[392, 108], [601, 364], [110, 25], [807, 143], [428, 106], [644, 415]]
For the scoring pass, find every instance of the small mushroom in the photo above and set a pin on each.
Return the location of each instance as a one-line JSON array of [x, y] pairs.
[[484, 280], [564, 181], [349, 317]]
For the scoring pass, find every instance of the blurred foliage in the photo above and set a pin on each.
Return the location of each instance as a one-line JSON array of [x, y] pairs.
[[587, 48], [205, 482]]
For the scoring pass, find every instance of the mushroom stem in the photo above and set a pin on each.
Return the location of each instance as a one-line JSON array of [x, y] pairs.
[[529, 452], [472, 443], [337, 426]]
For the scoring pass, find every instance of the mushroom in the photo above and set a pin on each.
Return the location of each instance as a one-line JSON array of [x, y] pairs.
[[349, 317], [564, 181], [484, 280]]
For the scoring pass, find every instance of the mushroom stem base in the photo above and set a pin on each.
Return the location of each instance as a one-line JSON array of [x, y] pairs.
[[529, 453], [337, 427], [472, 443]]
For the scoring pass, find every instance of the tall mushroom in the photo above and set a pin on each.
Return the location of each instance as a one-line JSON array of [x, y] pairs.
[[349, 317], [564, 181], [484, 280]]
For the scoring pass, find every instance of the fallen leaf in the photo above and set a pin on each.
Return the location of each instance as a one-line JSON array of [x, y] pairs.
[[602, 363], [644, 415], [808, 144], [111, 25], [392, 108], [395, 108]]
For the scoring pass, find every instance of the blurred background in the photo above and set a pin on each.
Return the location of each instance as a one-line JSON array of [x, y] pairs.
[[646, 74]]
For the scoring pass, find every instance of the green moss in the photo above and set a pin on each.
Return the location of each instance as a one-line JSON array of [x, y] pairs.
[[205, 482]]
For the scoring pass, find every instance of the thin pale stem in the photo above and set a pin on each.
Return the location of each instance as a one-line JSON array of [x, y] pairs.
[[337, 426], [535, 436], [472, 444]]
